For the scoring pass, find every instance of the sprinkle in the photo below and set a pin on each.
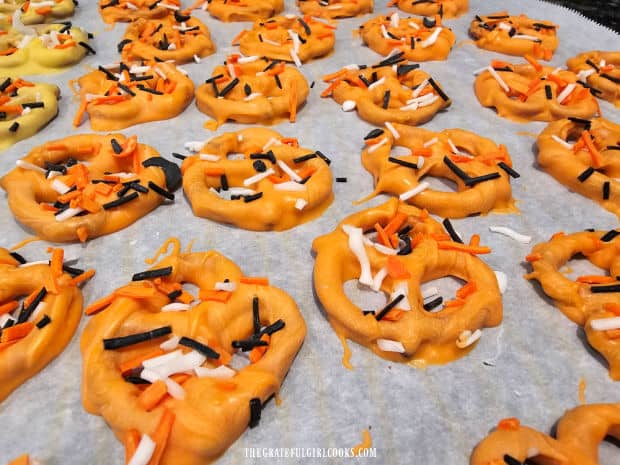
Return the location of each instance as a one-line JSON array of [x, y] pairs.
[[586, 174], [43, 322], [146, 447], [199, 347], [248, 344], [252, 96], [467, 338], [428, 143], [120, 201], [341, 179], [161, 191], [250, 59], [604, 289], [389, 307], [438, 89], [548, 92], [606, 190], [511, 172], [175, 307], [255, 412], [295, 58], [605, 324], [68, 213], [348, 105], [274, 327], [376, 83], [373, 134], [451, 231], [502, 280], [389, 345], [253, 197], [430, 40], [610, 235], [566, 92], [356, 245], [294, 176], [29, 166], [230, 86], [526, 37], [125, 341], [87, 47], [498, 78], [221, 372], [209, 157], [523, 239], [429, 292], [374, 147], [300, 204], [60, 186], [290, 186], [393, 130], [562, 142], [433, 304], [156, 273], [415, 191]]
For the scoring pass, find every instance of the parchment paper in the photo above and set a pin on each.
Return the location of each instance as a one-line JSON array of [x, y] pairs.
[[431, 417]]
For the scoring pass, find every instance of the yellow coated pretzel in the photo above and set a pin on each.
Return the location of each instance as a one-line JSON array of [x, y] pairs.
[[601, 71], [334, 9], [591, 300], [410, 248], [31, 13], [207, 405], [578, 435], [474, 163], [444, 8]]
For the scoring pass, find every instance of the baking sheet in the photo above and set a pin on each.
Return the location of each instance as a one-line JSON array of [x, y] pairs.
[[432, 416]]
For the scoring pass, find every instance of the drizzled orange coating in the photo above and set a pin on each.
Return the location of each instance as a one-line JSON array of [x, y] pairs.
[[214, 412], [526, 97], [190, 38], [319, 42], [22, 358], [276, 209], [335, 9], [31, 196], [575, 298], [110, 108], [606, 76], [499, 32], [428, 43], [113, 11], [444, 8], [483, 197], [426, 337], [567, 164], [267, 101], [346, 85], [244, 10], [578, 435]]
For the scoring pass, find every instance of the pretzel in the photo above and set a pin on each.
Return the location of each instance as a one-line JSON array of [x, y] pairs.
[[44, 49], [198, 403], [479, 167], [181, 39], [578, 435], [40, 308], [446, 9], [126, 11], [409, 248], [277, 185], [590, 165], [532, 92], [600, 71], [25, 108], [88, 185], [30, 13], [287, 38], [380, 93], [419, 40], [252, 90], [133, 95], [590, 301], [243, 10], [334, 9], [515, 35]]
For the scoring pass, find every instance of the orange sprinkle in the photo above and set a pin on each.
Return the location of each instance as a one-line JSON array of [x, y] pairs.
[[593, 279], [19, 331], [137, 361], [226, 385], [594, 153], [393, 315], [533, 257], [257, 352], [509, 424], [8, 307], [532, 61], [254, 280], [136, 291], [612, 307], [83, 277], [558, 234], [467, 290], [449, 245], [99, 305], [396, 269], [217, 296]]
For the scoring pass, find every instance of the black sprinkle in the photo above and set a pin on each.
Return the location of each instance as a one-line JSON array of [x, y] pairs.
[[213, 78], [121, 45], [610, 78], [548, 92], [247, 89], [88, 48], [278, 82], [303, 158], [253, 197], [33, 105], [230, 86], [610, 235], [440, 92], [125, 341], [407, 164], [486, 177], [174, 294], [274, 327], [248, 344], [389, 307], [455, 169], [586, 174], [255, 315], [116, 146], [259, 166], [264, 156], [433, 304], [341, 179], [121, 201], [453, 235], [586, 122], [602, 289], [255, 411], [6, 83], [312, 85], [18, 257], [510, 460], [72, 271], [14, 127], [323, 157], [172, 172], [43, 322], [180, 18], [305, 26], [612, 147], [224, 182], [161, 191], [508, 170], [26, 312], [178, 156], [404, 69], [589, 62], [108, 74], [606, 189], [199, 347], [156, 273], [429, 23], [386, 99], [373, 134], [143, 88]]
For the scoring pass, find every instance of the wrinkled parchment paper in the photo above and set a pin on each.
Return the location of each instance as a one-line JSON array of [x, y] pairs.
[[433, 416]]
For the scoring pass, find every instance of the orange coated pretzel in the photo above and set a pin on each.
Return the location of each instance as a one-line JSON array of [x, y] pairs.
[[86, 186], [244, 10], [384, 92], [600, 71], [480, 168], [578, 435], [24, 459], [252, 90], [40, 308], [132, 95], [532, 92], [125, 11], [202, 390], [38, 14], [419, 40], [591, 301], [444, 8], [409, 248], [287, 38], [276, 185], [179, 38], [515, 35], [589, 166], [335, 9]]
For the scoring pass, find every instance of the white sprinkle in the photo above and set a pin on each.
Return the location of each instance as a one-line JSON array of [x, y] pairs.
[[229, 286], [384, 32], [356, 244], [170, 344], [498, 78], [504, 26], [413, 25], [526, 37], [382, 248], [135, 69], [221, 372], [161, 360], [170, 7], [394, 20], [562, 142], [231, 70], [296, 42], [428, 143], [258, 177], [400, 151], [239, 361], [557, 70], [172, 47], [388, 345], [418, 102], [502, 280], [194, 146], [270, 143], [68, 213], [352, 67], [453, 147], [585, 73], [300, 204], [420, 161], [480, 70], [522, 238], [467, 338], [38, 262], [144, 451], [348, 105], [605, 324], [60, 186], [295, 57], [334, 7], [602, 63], [271, 42], [160, 73], [392, 129], [209, 157], [123, 175], [37, 311], [290, 186], [284, 167], [241, 191], [5, 318], [430, 40], [429, 292], [250, 59], [374, 147], [401, 288], [239, 137], [420, 88], [41, 4], [566, 92], [415, 191], [376, 83], [196, 58], [29, 166], [378, 279], [175, 390], [252, 96], [175, 307], [131, 6]]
